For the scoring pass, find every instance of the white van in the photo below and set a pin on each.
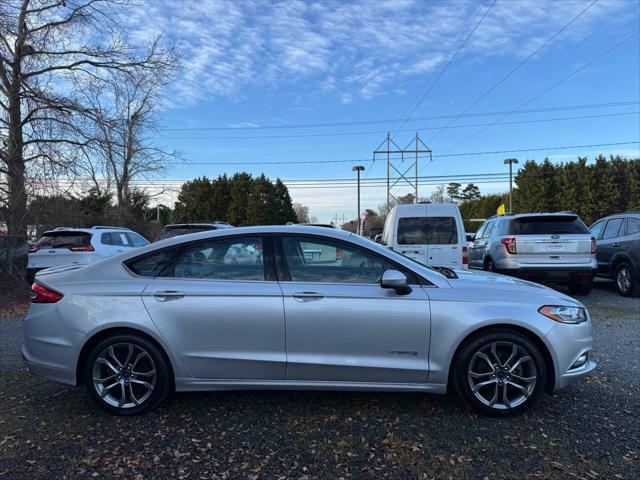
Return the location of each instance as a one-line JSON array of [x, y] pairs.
[[431, 233]]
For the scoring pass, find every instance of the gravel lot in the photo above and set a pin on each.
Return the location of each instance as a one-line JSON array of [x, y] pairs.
[[590, 430]]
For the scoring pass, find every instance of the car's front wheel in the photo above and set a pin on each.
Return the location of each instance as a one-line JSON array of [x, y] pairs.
[[626, 282], [500, 373], [126, 374]]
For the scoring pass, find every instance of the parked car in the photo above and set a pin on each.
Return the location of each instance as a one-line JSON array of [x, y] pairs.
[[430, 233], [618, 239], [79, 246], [183, 315], [176, 229], [547, 247]]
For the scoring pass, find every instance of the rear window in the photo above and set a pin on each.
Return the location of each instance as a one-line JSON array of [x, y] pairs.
[[549, 225], [64, 239], [170, 232], [427, 231]]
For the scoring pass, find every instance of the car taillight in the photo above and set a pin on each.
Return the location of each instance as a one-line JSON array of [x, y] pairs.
[[465, 256], [510, 244], [594, 245], [82, 248], [42, 294], [33, 249]]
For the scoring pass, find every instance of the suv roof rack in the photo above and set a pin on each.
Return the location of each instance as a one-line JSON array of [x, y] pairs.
[[107, 227]]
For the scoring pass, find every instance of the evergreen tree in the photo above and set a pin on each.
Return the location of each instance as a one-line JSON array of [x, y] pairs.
[[261, 207], [239, 196], [453, 191], [194, 201], [470, 192], [285, 210], [220, 198]]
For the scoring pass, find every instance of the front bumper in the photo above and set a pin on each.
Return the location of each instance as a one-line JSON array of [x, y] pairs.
[[569, 342], [551, 274]]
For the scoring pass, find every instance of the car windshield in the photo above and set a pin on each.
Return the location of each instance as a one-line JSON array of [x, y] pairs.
[[170, 232], [63, 239], [549, 225]]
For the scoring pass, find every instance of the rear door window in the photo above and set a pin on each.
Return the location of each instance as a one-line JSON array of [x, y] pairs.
[[232, 259], [549, 225], [441, 231], [412, 231], [633, 225], [596, 229], [488, 230], [117, 239], [613, 228], [151, 264], [64, 239]]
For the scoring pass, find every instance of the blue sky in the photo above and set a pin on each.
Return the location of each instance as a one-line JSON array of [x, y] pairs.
[[255, 64]]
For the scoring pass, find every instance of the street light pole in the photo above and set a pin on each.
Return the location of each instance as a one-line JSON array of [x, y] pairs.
[[510, 162], [358, 168]]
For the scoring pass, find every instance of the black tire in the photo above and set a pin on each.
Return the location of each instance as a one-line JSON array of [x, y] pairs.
[[489, 266], [630, 287], [581, 288], [154, 361], [504, 339]]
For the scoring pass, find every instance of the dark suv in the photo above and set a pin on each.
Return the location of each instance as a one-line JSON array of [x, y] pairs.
[[618, 238]]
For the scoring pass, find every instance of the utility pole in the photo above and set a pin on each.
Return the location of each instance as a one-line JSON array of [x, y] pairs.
[[510, 162], [358, 169], [397, 170]]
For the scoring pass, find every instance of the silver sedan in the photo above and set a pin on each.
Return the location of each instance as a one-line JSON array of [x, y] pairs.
[[293, 307]]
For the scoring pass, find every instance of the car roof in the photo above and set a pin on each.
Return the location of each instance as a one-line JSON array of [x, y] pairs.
[[405, 208], [197, 224]]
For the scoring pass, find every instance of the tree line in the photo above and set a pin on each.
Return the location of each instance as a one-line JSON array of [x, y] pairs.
[[592, 190], [240, 200]]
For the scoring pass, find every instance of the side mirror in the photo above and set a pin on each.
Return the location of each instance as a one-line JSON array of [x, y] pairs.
[[396, 280], [471, 237]]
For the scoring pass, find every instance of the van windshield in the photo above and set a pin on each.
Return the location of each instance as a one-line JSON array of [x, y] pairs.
[[427, 231]]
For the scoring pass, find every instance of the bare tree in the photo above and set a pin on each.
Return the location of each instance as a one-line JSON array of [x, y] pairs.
[[302, 212], [44, 44], [121, 113]]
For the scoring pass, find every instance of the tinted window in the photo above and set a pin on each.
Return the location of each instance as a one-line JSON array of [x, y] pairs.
[[480, 231], [319, 260], [118, 239], [170, 232], [633, 225], [151, 264], [595, 230], [613, 228], [222, 259], [427, 231], [549, 225], [63, 239], [442, 231], [412, 231]]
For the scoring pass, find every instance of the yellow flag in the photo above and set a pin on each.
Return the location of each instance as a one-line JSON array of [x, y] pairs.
[[501, 209]]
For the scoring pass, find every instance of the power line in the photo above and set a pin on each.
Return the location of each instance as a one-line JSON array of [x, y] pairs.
[[393, 120], [446, 67], [523, 62], [462, 154], [552, 86], [378, 132]]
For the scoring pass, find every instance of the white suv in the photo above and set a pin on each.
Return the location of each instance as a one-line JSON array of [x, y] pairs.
[[79, 246]]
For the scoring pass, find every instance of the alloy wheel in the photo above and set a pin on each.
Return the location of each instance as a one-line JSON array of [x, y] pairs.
[[502, 375], [124, 375], [623, 279]]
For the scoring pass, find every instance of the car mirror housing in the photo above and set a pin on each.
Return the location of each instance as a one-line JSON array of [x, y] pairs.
[[396, 280]]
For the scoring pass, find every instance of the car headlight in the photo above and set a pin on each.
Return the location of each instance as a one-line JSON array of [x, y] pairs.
[[564, 314]]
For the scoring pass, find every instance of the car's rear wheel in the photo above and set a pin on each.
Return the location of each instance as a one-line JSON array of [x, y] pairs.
[[626, 282], [581, 288], [126, 374], [500, 373], [489, 266]]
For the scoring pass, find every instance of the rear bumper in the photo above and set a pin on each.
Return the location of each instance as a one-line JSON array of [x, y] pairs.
[[562, 274]]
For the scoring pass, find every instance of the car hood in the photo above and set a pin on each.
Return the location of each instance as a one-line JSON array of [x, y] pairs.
[[504, 287]]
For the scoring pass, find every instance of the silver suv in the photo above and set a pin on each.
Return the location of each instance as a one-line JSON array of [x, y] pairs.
[[549, 247]]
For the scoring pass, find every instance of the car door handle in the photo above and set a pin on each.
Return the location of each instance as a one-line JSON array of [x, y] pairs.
[[307, 296], [615, 244], [164, 295]]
